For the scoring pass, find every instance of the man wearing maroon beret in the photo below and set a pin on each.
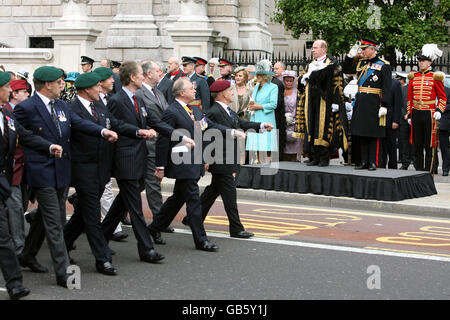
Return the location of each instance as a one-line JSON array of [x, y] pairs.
[[224, 169], [19, 92]]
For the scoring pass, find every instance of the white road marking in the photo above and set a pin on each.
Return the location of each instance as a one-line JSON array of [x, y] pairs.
[[3, 289], [327, 247]]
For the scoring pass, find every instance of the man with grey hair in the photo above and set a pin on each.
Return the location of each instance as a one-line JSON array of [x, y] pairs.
[[154, 101], [279, 67], [173, 68], [165, 83]]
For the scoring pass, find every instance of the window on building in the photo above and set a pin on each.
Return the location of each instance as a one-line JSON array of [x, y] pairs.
[[41, 42]]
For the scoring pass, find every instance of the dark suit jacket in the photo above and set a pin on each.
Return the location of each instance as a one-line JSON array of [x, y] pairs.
[[394, 112], [229, 160], [156, 107], [41, 171], [26, 138], [131, 154], [92, 157], [280, 115], [202, 91], [444, 123], [189, 168], [165, 86]]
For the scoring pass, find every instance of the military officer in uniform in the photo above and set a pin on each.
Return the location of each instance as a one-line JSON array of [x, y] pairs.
[[226, 68], [200, 67], [87, 64], [202, 95], [372, 100], [424, 88]]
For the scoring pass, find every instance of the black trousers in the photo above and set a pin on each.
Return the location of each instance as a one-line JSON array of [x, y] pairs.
[[225, 186], [370, 150], [8, 260], [422, 124], [129, 200], [49, 223], [185, 191], [407, 154], [444, 146], [87, 217], [321, 154], [389, 149]]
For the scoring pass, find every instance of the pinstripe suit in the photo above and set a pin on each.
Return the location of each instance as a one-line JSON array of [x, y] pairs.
[[130, 168]]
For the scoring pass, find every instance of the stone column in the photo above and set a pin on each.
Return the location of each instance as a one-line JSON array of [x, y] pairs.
[[133, 28], [72, 36], [193, 34], [253, 29]]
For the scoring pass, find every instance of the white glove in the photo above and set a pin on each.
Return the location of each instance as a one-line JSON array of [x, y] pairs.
[[312, 67], [349, 114], [382, 112], [437, 116], [354, 50], [305, 77], [335, 107], [289, 118], [348, 106], [409, 121]]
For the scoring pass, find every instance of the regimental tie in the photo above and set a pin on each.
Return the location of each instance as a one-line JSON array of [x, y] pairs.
[[136, 105], [55, 118], [94, 114], [230, 113], [188, 108], [156, 96]]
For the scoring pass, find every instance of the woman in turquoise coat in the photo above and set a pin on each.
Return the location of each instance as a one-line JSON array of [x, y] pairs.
[[262, 107]]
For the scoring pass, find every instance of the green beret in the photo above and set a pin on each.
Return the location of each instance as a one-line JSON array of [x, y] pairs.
[[87, 80], [47, 74], [104, 72], [4, 78]]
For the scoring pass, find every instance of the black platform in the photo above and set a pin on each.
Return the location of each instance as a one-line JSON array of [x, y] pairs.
[[338, 180]]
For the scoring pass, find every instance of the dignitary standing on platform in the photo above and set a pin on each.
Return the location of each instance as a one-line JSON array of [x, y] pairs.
[[53, 120], [154, 101], [224, 170], [406, 150], [444, 134], [91, 168], [321, 116], [130, 160], [181, 115], [426, 104], [293, 147], [202, 95], [11, 131], [372, 101]]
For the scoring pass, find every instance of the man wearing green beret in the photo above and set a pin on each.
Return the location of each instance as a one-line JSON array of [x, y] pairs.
[[92, 166], [54, 120], [11, 129]]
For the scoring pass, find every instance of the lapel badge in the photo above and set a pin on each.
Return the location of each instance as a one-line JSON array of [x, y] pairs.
[[144, 112], [11, 123], [61, 116], [108, 123]]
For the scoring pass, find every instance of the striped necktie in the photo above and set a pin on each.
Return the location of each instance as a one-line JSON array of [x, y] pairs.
[[55, 118]]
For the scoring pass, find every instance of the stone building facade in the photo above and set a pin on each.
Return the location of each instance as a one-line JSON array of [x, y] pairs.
[[135, 29]]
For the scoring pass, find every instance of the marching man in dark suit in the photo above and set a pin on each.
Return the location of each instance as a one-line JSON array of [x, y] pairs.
[[91, 168], [223, 172], [54, 120], [181, 115], [11, 130], [130, 159]]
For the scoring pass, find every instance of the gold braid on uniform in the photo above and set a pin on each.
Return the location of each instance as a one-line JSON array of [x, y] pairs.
[[300, 119]]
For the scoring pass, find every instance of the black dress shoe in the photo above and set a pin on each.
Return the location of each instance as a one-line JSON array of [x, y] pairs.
[[445, 173], [156, 236], [169, 230], [307, 161], [185, 221], [207, 246], [323, 164], [312, 163], [242, 234], [152, 257], [33, 265], [18, 292], [362, 166], [62, 281], [126, 220], [106, 268], [119, 236], [404, 167], [372, 167]]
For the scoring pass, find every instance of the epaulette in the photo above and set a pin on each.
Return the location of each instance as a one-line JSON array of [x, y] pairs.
[[439, 76], [411, 75], [385, 61]]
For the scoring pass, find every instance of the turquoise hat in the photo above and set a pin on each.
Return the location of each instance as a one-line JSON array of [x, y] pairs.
[[4, 78], [72, 76], [47, 74], [87, 80], [263, 67]]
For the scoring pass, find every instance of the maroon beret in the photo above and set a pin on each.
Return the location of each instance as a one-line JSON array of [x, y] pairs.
[[219, 85], [18, 85]]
